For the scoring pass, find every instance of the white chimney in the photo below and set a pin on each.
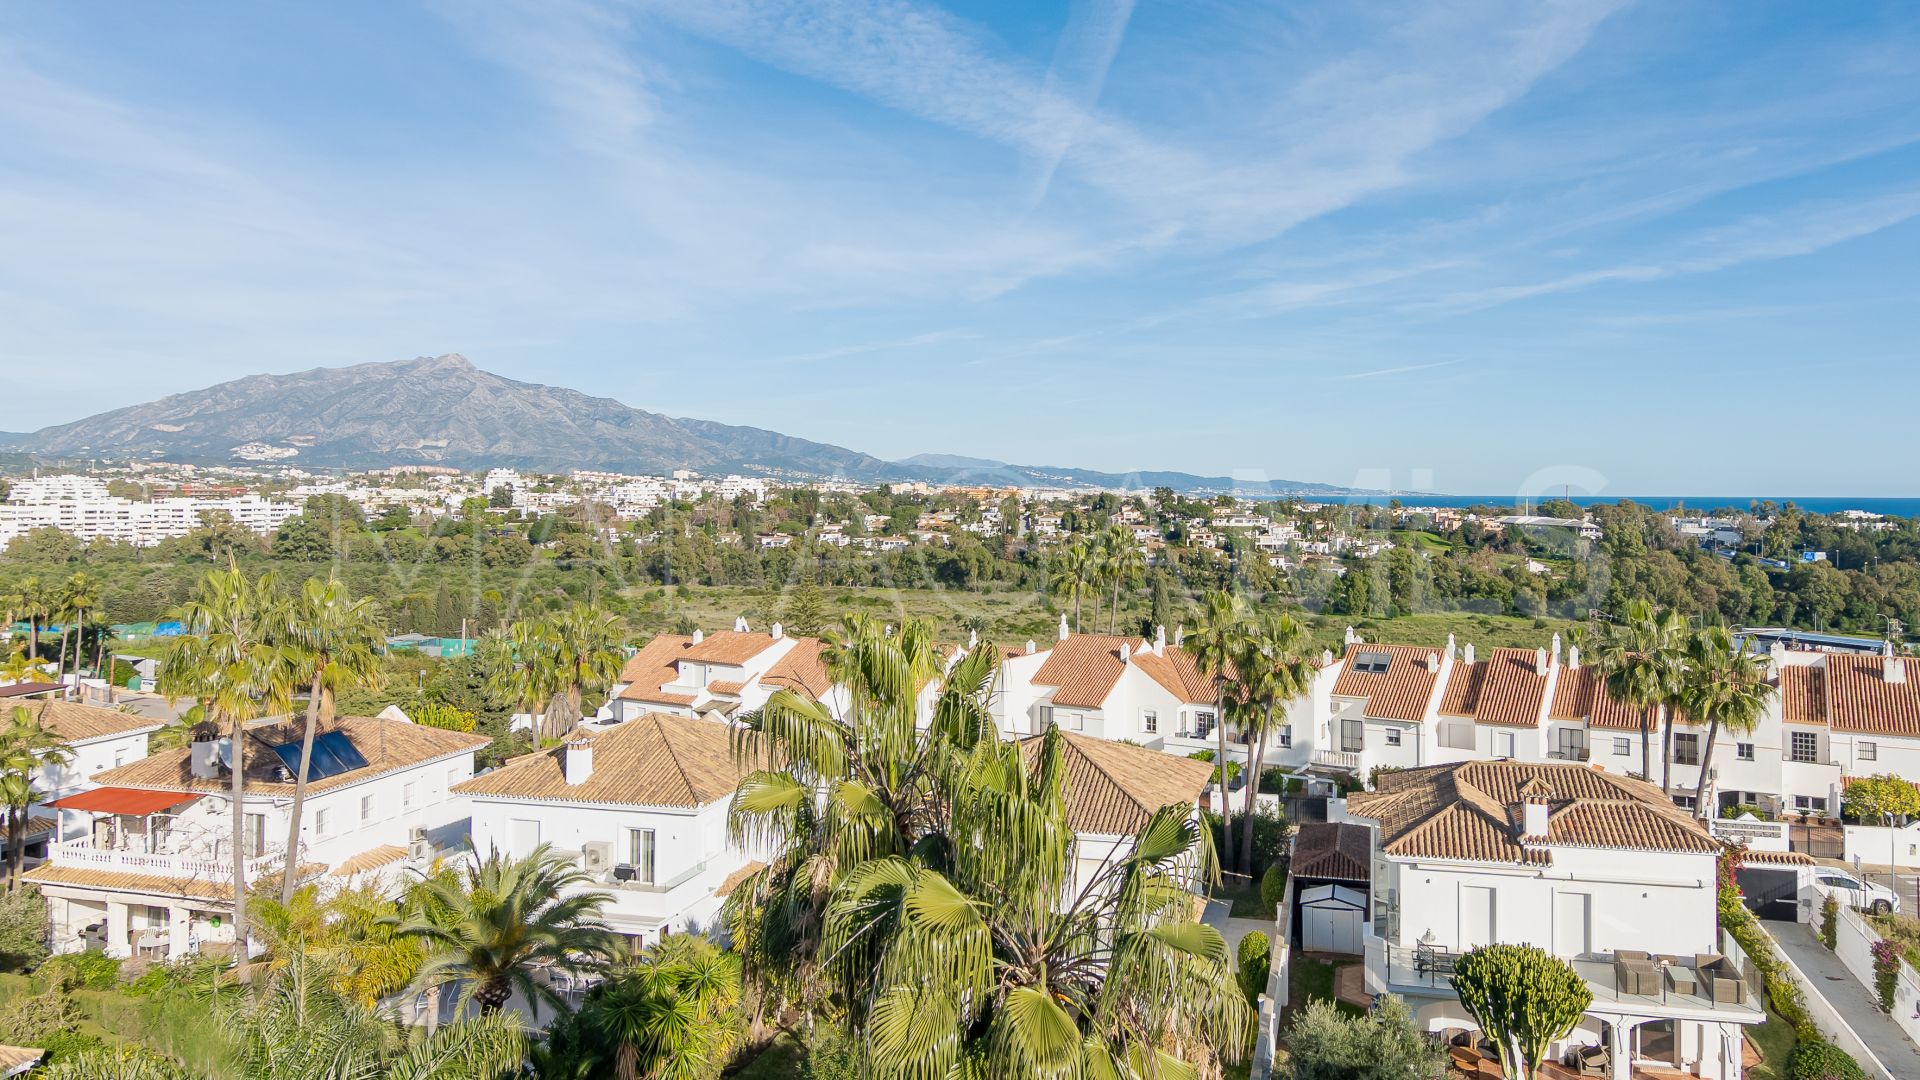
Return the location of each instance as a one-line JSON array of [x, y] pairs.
[[1466, 655], [739, 624], [1126, 651], [1160, 640], [1539, 661], [1351, 637], [1892, 667], [579, 761], [698, 635], [1063, 626], [777, 632], [1433, 663], [1326, 657], [1450, 651], [1030, 646], [203, 759], [1533, 816], [973, 639], [1179, 636], [1556, 644], [1573, 658]]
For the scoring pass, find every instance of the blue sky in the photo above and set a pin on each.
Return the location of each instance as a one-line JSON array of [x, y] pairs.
[[1476, 248]]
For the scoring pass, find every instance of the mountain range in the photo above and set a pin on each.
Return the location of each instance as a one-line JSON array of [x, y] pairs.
[[443, 410]]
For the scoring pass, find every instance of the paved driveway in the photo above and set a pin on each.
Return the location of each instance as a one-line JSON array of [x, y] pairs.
[[1850, 999]]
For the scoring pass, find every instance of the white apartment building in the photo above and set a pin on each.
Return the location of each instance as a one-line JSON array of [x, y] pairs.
[[722, 674], [151, 872], [641, 806], [87, 512], [1108, 687], [1602, 871]]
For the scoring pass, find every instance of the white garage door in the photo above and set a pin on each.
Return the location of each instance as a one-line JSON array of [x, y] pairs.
[[1334, 930]]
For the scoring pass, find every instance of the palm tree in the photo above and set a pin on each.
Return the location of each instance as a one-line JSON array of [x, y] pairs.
[[304, 1028], [25, 747], [500, 918], [21, 667], [331, 641], [1073, 566], [1121, 564], [1639, 659], [1274, 670], [982, 955], [518, 667], [671, 1016], [226, 659], [836, 785], [32, 598], [80, 595], [1721, 685], [1216, 643], [583, 642]]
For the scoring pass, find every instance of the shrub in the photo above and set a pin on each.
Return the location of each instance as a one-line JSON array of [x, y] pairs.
[[23, 929], [1830, 922], [1815, 1059], [1744, 809], [831, 1054], [437, 714], [1273, 886], [1324, 1043], [91, 970], [1886, 971], [1271, 833], [1233, 768], [1256, 960]]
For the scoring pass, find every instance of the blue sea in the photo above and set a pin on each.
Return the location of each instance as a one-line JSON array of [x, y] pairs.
[[1823, 504]]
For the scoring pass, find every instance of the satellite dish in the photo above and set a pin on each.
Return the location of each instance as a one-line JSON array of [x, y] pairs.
[[225, 749]]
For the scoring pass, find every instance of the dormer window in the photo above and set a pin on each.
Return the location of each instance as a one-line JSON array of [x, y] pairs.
[[1372, 663]]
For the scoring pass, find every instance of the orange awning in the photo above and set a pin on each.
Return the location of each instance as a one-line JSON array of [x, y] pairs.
[[119, 800]]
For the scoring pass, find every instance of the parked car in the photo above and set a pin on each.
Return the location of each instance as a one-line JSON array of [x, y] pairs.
[[1853, 892], [1775, 891]]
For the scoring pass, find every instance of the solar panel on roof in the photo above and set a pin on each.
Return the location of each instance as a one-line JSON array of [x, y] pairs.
[[333, 754]]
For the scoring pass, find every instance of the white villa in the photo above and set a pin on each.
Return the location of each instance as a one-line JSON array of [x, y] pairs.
[[1108, 687], [723, 673], [1602, 871], [96, 739], [641, 805], [150, 871]]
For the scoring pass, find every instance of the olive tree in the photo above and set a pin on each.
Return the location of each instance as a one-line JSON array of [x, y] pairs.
[[1524, 998]]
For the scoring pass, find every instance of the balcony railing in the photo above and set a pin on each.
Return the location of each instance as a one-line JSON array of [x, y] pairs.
[[1570, 753], [1725, 980], [82, 852], [1337, 759]]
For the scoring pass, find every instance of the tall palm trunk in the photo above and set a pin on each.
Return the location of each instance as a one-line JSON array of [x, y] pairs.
[[1646, 747], [239, 842], [1256, 756], [1706, 764], [16, 845], [288, 877], [1113, 611], [1666, 754], [33, 635], [1226, 811]]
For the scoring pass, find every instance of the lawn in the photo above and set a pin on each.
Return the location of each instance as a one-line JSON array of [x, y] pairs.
[[1775, 1040], [1245, 901], [1310, 978]]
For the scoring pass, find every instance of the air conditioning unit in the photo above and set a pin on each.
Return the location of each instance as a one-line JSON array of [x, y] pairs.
[[420, 849], [419, 833], [596, 857]]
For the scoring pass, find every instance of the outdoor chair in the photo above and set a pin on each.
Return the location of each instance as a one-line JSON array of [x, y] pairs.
[[1635, 972], [1720, 979]]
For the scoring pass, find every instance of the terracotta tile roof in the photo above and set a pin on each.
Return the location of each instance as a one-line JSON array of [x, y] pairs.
[[1581, 694], [388, 745], [652, 667], [1399, 693], [729, 647], [1505, 688], [1085, 667], [1335, 850], [119, 880], [29, 689], [801, 669], [734, 880], [370, 859], [1786, 858], [1803, 694], [1114, 787], [730, 689], [655, 760], [1471, 811], [1861, 699], [74, 722]]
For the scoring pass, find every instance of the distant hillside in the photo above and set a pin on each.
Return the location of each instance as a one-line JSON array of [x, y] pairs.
[[445, 411]]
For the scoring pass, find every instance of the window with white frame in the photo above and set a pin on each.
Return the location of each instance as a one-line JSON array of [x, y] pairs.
[[1202, 723], [1869, 751], [640, 851], [366, 809], [1046, 717], [1743, 751], [1810, 804], [408, 791], [1284, 736], [1149, 721], [320, 822], [1686, 749], [1805, 746], [1393, 736], [1353, 735], [1622, 746]]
